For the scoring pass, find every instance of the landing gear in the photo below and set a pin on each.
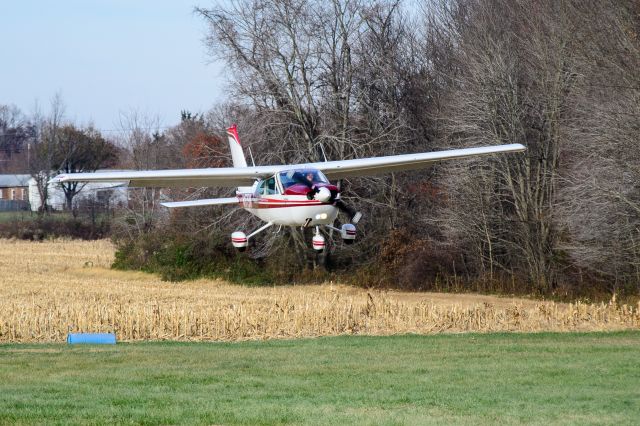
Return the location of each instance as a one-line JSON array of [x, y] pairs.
[[348, 233], [241, 241], [318, 241], [322, 247]]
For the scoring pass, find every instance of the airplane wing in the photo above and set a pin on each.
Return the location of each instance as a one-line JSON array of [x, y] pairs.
[[397, 163], [246, 176], [205, 202], [222, 177]]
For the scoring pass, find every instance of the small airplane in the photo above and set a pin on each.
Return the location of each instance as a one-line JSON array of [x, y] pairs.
[[286, 195]]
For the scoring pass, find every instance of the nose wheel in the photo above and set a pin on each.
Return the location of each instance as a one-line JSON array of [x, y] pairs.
[[318, 241], [347, 233]]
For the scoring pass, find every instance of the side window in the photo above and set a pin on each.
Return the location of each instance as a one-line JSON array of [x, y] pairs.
[[268, 187], [271, 186], [260, 189]]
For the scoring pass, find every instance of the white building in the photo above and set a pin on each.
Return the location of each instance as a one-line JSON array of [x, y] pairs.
[[113, 194]]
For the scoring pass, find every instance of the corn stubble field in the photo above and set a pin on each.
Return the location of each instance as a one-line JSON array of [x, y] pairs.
[[49, 289]]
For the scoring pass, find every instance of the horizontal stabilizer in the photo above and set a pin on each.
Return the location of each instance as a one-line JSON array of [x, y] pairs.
[[197, 203]]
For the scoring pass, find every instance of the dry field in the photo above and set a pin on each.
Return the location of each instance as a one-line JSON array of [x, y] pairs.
[[48, 289]]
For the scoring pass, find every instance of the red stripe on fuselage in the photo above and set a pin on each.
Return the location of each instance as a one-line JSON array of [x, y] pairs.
[[272, 203]]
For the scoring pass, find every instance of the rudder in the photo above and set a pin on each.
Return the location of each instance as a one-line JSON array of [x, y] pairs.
[[237, 155]]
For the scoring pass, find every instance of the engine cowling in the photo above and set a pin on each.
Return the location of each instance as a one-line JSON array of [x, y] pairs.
[[323, 194], [348, 233], [239, 240]]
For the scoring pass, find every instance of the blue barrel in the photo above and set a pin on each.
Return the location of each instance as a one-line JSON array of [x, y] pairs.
[[91, 338]]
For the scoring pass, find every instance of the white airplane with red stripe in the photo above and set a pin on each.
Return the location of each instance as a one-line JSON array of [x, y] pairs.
[[288, 195]]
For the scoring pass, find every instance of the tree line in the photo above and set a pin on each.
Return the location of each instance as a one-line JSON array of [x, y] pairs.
[[351, 79], [373, 78]]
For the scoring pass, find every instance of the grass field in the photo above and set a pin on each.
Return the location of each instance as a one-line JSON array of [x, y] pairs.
[[456, 378], [19, 215], [388, 377]]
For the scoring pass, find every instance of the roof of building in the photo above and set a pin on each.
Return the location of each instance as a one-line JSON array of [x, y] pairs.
[[11, 181]]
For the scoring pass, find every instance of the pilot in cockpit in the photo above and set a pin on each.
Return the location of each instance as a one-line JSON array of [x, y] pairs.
[[309, 177]]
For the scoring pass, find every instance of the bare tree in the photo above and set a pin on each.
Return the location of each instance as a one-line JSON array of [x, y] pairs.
[[510, 85], [321, 80], [147, 149], [43, 148], [601, 196], [270, 48]]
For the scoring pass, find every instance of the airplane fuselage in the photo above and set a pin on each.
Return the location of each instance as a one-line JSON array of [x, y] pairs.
[[302, 198], [288, 203], [289, 210]]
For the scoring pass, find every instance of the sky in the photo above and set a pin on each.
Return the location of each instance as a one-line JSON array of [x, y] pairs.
[[107, 57]]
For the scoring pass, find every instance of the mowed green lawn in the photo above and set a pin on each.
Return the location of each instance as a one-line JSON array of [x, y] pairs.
[[468, 378]]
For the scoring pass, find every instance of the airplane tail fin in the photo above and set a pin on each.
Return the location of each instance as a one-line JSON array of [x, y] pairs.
[[237, 155]]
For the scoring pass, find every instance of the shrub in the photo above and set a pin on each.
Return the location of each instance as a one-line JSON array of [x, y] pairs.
[[179, 257], [37, 228]]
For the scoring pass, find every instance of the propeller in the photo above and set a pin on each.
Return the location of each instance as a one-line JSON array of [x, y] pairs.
[[353, 214]]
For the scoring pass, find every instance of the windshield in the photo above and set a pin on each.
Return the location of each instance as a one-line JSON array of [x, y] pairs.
[[302, 176]]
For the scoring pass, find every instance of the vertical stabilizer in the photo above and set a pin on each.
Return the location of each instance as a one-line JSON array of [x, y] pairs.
[[237, 155]]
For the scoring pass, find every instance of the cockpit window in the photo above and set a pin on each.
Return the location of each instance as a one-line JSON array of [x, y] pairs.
[[268, 187], [303, 176]]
